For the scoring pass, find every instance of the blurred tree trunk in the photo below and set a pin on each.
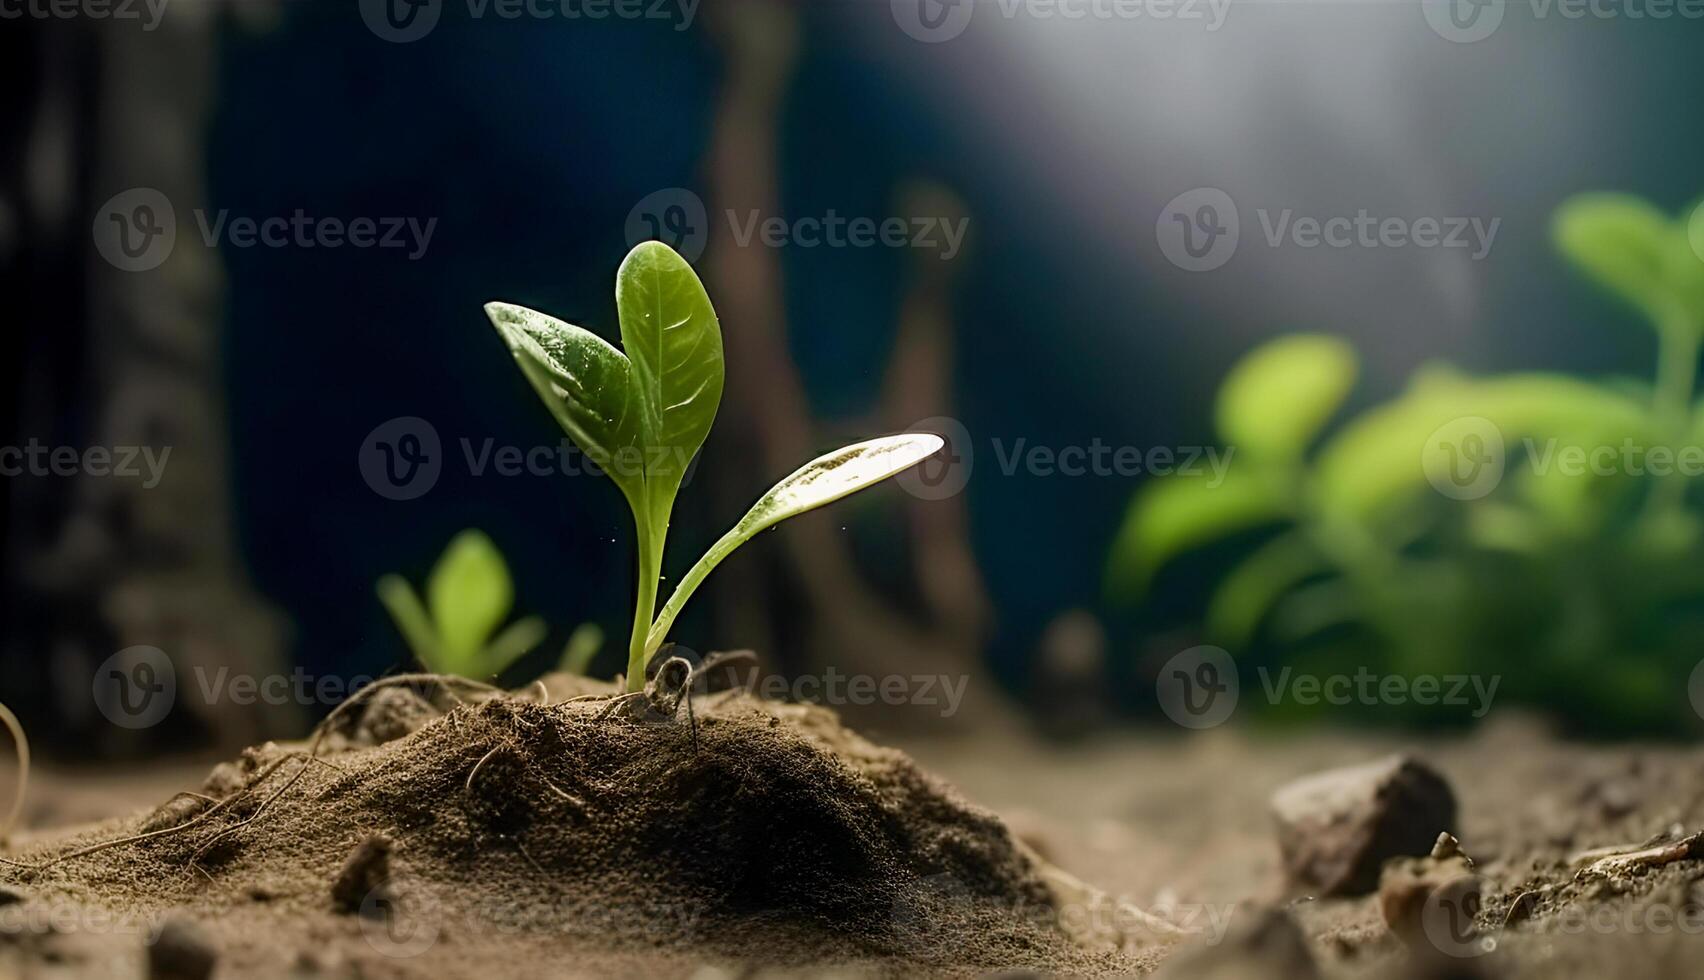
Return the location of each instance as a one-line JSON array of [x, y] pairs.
[[836, 611], [98, 356]]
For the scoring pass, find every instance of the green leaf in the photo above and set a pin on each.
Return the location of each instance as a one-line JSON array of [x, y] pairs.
[[1623, 243], [587, 385], [674, 344], [1242, 600], [1172, 515], [1375, 465], [469, 594], [821, 481], [1276, 399], [510, 645], [412, 621], [583, 645]]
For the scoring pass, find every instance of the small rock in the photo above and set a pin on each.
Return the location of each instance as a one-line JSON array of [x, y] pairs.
[[1271, 945], [182, 951], [11, 896], [366, 870], [1337, 828], [1448, 883], [391, 713]]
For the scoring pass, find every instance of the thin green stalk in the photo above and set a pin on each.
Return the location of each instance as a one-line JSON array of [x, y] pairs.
[[1671, 402], [650, 571]]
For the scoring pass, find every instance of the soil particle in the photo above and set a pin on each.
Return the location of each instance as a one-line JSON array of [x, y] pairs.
[[364, 873], [1270, 945], [182, 951], [1337, 828]]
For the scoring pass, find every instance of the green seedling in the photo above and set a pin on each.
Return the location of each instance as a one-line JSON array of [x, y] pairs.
[[468, 596], [643, 412]]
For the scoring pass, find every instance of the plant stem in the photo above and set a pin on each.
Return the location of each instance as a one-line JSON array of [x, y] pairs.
[[650, 571], [1677, 374]]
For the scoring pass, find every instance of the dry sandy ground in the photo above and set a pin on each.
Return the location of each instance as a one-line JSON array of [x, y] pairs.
[[1179, 825]]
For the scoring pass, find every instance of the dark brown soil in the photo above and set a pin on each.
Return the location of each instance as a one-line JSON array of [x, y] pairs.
[[555, 841], [784, 845]]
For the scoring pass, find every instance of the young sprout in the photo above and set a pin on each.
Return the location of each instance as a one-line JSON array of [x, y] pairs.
[[642, 413], [22, 746], [468, 596]]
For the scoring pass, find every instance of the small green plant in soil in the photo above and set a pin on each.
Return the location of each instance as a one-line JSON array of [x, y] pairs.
[[468, 596], [1583, 589], [642, 413]]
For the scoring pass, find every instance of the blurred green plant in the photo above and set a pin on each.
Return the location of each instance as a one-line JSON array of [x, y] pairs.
[[583, 645], [1582, 587], [468, 596]]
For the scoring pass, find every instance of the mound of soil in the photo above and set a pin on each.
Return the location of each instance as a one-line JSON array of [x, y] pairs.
[[562, 838]]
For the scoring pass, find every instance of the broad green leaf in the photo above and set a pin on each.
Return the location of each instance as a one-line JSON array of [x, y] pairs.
[[587, 385], [1172, 515], [1244, 597], [1276, 399], [1623, 243], [821, 481], [412, 621], [674, 344], [508, 646], [469, 593]]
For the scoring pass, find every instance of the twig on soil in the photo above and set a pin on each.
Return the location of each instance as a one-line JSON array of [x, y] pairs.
[[307, 763], [447, 681], [22, 745], [467, 787], [166, 831]]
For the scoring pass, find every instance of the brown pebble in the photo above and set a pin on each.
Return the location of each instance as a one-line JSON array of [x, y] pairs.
[[1337, 828], [182, 951], [365, 870]]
